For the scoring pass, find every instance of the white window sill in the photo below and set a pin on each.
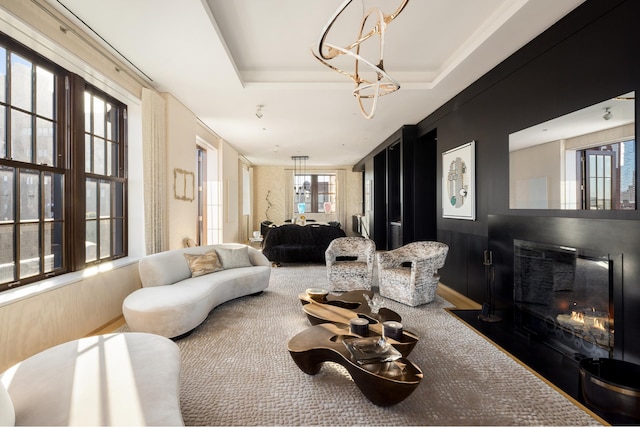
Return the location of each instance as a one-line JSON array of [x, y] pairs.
[[11, 296]]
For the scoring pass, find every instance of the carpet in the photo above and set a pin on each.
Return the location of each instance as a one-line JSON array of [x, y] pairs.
[[236, 370]]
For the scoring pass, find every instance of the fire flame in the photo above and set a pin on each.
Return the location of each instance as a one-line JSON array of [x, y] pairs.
[[577, 316], [596, 322], [599, 323]]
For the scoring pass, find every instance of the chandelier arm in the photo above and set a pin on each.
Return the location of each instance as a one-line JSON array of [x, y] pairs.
[[334, 68], [382, 29], [379, 70], [398, 11], [364, 89], [373, 106], [327, 27], [325, 31]]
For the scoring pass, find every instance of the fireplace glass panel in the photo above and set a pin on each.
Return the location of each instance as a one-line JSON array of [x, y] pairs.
[[563, 295]]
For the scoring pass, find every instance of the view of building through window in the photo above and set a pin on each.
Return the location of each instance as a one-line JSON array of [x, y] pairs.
[[317, 192]]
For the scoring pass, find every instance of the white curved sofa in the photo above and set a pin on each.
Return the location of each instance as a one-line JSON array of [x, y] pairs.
[[171, 302], [121, 379]]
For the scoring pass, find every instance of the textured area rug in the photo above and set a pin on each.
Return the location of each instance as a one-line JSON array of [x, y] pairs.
[[237, 371]]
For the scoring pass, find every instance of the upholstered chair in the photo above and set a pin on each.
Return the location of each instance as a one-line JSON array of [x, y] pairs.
[[350, 263], [409, 274]]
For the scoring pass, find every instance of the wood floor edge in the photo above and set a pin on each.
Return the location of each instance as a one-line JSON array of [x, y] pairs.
[[108, 327], [461, 302], [524, 365]]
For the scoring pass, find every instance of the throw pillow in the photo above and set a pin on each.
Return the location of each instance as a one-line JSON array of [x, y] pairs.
[[7, 413], [203, 264], [234, 258]]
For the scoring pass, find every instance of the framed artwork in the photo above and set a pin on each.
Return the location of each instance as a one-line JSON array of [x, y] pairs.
[[184, 183], [458, 182]]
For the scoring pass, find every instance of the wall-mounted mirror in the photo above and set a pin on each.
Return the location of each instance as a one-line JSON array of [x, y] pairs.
[[583, 160]]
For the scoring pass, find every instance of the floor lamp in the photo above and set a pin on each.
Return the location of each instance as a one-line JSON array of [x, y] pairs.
[[488, 308]]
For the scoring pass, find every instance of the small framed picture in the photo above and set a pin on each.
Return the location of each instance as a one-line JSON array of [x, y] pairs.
[[458, 182]]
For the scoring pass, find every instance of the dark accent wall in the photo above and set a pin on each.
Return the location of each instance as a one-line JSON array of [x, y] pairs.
[[405, 181], [590, 55]]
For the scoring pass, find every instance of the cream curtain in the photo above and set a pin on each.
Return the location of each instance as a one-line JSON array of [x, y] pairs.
[[288, 194], [154, 168], [341, 202]]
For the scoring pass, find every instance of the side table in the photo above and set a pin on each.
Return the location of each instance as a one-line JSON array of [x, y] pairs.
[[256, 242]]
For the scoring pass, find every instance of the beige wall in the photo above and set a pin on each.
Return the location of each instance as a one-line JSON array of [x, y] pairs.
[[231, 196], [181, 156], [272, 182], [183, 131], [536, 172], [48, 318]]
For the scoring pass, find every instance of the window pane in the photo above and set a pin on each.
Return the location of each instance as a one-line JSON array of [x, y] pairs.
[[87, 153], [7, 261], [52, 246], [98, 116], [87, 112], [3, 132], [58, 196], [118, 235], [29, 250], [91, 245], [53, 196], [112, 159], [21, 133], [111, 117], [6, 194], [3, 74], [600, 190], [118, 211], [45, 96], [44, 142], [91, 199], [105, 238], [21, 87], [600, 167], [29, 195], [105, 200], [98, 155]]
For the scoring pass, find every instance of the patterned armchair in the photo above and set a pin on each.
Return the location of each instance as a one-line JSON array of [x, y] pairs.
[[415, 284], [350, 263]]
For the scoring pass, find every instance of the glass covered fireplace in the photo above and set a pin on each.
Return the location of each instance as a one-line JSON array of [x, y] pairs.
[[563, 296]]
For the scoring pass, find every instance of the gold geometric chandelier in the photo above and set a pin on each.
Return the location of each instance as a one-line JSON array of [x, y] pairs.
[[376, 22]]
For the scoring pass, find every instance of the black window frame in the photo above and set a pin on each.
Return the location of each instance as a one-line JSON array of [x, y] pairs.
[[69, 167]]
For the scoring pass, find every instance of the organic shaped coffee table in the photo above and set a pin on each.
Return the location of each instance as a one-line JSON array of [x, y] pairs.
[[340, 309], [383, 383], [354, 301]]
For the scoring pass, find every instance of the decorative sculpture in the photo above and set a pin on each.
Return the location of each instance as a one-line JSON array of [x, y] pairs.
[[266, 212]]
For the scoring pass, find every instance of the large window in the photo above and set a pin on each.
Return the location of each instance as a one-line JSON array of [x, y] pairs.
[[317, 192], [57, 216], [608, 176]]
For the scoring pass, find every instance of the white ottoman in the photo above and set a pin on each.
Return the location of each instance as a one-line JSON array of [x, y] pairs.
[[113, 379]]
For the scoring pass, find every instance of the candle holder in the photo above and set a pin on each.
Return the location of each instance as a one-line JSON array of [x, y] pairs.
[[359, 326], [391, 329]]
